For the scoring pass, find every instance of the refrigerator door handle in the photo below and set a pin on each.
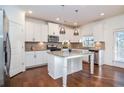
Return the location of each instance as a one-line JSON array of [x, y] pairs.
[[8, 55]]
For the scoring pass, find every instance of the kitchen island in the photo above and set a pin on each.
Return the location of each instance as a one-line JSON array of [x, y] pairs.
[[62, 63]]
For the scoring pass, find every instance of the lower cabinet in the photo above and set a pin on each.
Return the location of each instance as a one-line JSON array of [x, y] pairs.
[[36, 58]]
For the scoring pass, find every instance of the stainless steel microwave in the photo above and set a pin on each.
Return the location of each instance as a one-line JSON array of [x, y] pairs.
[[53, 39]]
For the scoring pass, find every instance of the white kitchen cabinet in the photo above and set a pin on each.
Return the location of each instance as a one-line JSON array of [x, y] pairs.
[[55, 66], [70, 35], [16, 36], [44, 35], [45, 56], [53, 29], [29, 31], [36, 58], [29, 59], [36, 30], [39, 59]]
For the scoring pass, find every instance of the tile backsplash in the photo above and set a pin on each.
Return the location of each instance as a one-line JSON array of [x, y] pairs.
[[40, 46], [76, 45], [35, 46]]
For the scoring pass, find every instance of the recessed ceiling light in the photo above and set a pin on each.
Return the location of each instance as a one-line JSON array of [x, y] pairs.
[[57, 18], [102, 14], [30, 12]]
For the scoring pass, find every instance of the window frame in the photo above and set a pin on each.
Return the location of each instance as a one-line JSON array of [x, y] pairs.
[[88, 39], [115, 45]]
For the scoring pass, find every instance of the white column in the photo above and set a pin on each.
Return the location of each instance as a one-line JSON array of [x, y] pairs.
[[92, 64], [65, 73]]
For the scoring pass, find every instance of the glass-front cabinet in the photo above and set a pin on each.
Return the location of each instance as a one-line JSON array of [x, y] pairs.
[[119, 46]]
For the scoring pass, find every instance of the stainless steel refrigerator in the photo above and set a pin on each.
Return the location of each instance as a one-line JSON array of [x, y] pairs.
[[5, 50]]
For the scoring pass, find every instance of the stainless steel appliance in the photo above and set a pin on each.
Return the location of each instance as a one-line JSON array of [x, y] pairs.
[[53, 47], [5, 51], [53, 39], [96, 55], [53, 42]]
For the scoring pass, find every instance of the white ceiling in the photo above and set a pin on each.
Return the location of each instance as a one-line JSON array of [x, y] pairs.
[[87, 13]]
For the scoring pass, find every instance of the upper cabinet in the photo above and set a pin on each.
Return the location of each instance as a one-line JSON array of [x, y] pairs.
[[87, 30], [39, 30], [53, 29], [98, 31], [94, 29], [29, 30], [36, 30], [45, 32]]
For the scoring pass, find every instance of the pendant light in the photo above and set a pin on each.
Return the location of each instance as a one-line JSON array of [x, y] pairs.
[[62, 28], [76, 32]]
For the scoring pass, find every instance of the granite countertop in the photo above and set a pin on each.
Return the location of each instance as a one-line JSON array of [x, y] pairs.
[[67, 54], [89, 48], [35, 50]]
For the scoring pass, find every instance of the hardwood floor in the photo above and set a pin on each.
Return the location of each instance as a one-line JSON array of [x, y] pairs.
[[106, 76]]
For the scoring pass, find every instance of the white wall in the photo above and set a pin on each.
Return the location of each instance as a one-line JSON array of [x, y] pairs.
[[104, 31]]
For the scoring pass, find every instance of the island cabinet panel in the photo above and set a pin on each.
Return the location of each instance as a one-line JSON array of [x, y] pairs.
[[51, 66], [55, 66]]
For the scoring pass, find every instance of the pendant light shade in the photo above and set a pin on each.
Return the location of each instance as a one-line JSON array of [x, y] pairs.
[[62, 30], [76, 32]]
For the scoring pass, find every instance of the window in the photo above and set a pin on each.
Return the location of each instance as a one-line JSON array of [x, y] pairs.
[[119, 46], [87, 41]]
